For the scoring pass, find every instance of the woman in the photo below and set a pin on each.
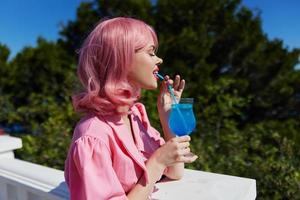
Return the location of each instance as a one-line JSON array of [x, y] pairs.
[[115, 152]]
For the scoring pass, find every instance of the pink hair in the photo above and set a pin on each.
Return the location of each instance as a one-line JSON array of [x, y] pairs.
[[104, 61]]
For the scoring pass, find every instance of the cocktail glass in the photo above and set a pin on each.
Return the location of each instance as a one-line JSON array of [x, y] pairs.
[[182, 119]]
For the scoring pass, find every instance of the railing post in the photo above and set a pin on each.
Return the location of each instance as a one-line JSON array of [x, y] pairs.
[[24, 180], [7, 146]]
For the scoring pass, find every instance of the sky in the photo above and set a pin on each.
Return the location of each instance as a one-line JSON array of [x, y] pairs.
[[280, 19], [22, 21]]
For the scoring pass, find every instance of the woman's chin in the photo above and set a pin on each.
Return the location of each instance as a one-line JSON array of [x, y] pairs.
[[151, 87]]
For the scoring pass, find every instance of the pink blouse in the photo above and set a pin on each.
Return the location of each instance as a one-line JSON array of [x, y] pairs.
[[103, 161]]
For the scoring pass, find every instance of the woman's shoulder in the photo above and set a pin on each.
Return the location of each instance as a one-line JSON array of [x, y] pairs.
[[92, 126]]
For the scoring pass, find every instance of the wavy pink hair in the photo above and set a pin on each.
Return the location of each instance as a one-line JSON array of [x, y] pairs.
[[104, 61]]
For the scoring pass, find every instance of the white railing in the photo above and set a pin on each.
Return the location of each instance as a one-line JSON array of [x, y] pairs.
[[21, 180]]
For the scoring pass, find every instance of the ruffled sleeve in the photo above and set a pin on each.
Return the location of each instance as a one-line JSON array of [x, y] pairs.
[[90, 174]]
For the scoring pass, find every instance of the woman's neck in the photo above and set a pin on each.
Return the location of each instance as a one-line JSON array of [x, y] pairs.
[[123, 109]]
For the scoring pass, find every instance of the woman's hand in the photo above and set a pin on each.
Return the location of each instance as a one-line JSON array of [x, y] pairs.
[[165, 99], [176, 150]]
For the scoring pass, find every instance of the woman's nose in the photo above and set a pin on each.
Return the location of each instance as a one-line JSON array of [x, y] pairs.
[[159, 61]]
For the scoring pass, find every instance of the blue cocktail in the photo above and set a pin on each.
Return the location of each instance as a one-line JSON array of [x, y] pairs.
[[182, 119]]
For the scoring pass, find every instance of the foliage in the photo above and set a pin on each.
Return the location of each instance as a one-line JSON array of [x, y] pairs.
[[49, 140], [35, 92], [245, 87]]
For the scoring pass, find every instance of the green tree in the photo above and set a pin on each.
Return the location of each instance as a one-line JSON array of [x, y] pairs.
[[35, 93], [240, 79], [5, 105]]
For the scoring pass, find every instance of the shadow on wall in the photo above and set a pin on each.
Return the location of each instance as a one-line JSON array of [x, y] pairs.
[[61, 191]]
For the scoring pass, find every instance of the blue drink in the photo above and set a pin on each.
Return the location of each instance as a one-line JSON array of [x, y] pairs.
[[182, 119]]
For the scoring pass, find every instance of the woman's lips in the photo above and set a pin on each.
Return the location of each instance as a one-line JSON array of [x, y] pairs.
[[155, 71], [156, 77]]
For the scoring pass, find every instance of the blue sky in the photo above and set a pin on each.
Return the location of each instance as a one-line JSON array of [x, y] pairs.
[[22, 21], [280, 19]]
